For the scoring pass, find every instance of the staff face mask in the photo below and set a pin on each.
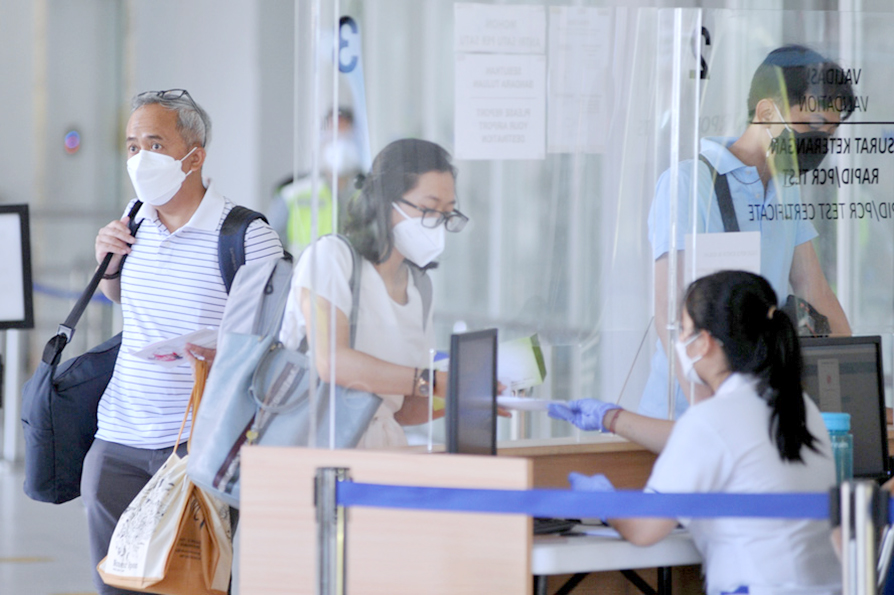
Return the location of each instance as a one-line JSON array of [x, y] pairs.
[[687, 363], [417, 243], [810, 148], [341, 156], [156, 177]]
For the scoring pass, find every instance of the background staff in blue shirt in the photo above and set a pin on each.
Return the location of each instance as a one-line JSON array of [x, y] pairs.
[[753, 164]]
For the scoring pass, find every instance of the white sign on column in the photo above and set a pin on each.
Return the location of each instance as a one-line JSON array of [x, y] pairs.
[[500, 106]]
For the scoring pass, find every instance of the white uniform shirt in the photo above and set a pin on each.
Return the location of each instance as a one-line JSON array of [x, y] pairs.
[[170, 285], [385, 329], [723, 445]]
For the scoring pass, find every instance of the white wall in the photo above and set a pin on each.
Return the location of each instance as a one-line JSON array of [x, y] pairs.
[[17, 100], [235, 58]]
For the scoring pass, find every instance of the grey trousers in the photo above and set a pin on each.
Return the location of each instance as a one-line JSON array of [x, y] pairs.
[[113, 475]]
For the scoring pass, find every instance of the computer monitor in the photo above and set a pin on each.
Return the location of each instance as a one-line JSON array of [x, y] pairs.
[[845, 374], [471, 414]]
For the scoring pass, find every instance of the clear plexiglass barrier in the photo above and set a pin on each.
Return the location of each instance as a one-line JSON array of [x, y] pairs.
[[570, 170]]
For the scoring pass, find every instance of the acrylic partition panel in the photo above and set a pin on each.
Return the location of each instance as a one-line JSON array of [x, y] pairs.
[[789, 106], [574, 132]]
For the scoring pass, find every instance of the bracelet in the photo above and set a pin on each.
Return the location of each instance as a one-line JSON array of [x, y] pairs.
[[611, 425], [114, 275], [415, 381]]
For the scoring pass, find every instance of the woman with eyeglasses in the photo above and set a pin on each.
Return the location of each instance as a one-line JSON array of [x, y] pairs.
[[396, 225]]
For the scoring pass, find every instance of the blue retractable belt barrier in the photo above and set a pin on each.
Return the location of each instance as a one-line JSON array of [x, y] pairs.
[[68, 295], [572, 504]]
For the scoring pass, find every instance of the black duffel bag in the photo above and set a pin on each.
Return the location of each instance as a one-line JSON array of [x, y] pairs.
[[59, 404]]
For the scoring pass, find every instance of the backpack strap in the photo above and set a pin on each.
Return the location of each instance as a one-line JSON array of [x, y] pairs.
[[420, 278], [356, 274], [724, 198], [231, 243], [423, 284]]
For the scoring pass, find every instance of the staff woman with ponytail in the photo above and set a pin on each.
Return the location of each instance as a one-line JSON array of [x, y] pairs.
[[757, 433]]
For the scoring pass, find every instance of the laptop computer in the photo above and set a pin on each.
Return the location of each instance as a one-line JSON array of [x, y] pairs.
[[845, 374]]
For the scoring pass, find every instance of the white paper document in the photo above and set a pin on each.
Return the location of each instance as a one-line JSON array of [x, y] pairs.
[[500, 105], [580, 78], [708, 253], [524, 403], [172, 352], [504, 29]]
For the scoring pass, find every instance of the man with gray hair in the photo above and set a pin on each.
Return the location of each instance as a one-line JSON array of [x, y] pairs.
[[170, 284]]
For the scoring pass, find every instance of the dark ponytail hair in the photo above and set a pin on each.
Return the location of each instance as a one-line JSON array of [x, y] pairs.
[[395, 171], [739, 309]]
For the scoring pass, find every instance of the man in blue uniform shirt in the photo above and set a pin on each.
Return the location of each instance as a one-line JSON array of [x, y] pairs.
[[753, 166]]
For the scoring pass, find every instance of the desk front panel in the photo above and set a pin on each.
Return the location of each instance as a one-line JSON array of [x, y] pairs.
[[626, 465]]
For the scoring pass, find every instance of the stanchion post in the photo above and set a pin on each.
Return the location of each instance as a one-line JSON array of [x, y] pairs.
[[884, 555], [845, 517], [861, 510], [331, 531], [865, 494]]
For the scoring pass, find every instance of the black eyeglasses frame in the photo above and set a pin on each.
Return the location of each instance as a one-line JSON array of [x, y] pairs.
[[454, 221]]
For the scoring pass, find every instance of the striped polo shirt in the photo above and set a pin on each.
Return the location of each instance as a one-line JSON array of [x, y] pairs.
[[170, 285]]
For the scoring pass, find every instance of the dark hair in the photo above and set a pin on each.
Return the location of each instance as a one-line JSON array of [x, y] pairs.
[[795, 72], [739, 309], [395, 171]]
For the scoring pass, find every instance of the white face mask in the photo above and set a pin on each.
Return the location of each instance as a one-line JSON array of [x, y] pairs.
[[341, 156], [687, 363], [419, 244], [156, 177]]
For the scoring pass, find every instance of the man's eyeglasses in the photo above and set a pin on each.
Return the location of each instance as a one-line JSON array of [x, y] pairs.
[[454, 221], [172, 94]]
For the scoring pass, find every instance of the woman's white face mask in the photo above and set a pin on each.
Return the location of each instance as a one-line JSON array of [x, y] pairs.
[[687, 364], [417, 243], [156, 177]]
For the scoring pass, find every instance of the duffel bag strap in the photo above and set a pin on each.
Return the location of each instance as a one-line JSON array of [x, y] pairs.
[[66, 330]]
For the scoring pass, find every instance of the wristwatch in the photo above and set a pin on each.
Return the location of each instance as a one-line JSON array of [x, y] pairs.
[[424, 385]]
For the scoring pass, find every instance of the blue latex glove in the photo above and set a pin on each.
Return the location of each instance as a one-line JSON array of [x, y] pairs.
[[590, 483], [586, 414]]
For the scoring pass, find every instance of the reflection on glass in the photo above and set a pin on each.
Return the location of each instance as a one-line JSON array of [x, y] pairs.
[[740, 188]]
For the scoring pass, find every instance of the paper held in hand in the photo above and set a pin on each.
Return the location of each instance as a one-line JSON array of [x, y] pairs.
[[524, 403], [172, 352]]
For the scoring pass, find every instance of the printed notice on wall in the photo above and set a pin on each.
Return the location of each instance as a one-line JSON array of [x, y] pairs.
[[714, 252], [579, 78], [499, 29], [500, 106]]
